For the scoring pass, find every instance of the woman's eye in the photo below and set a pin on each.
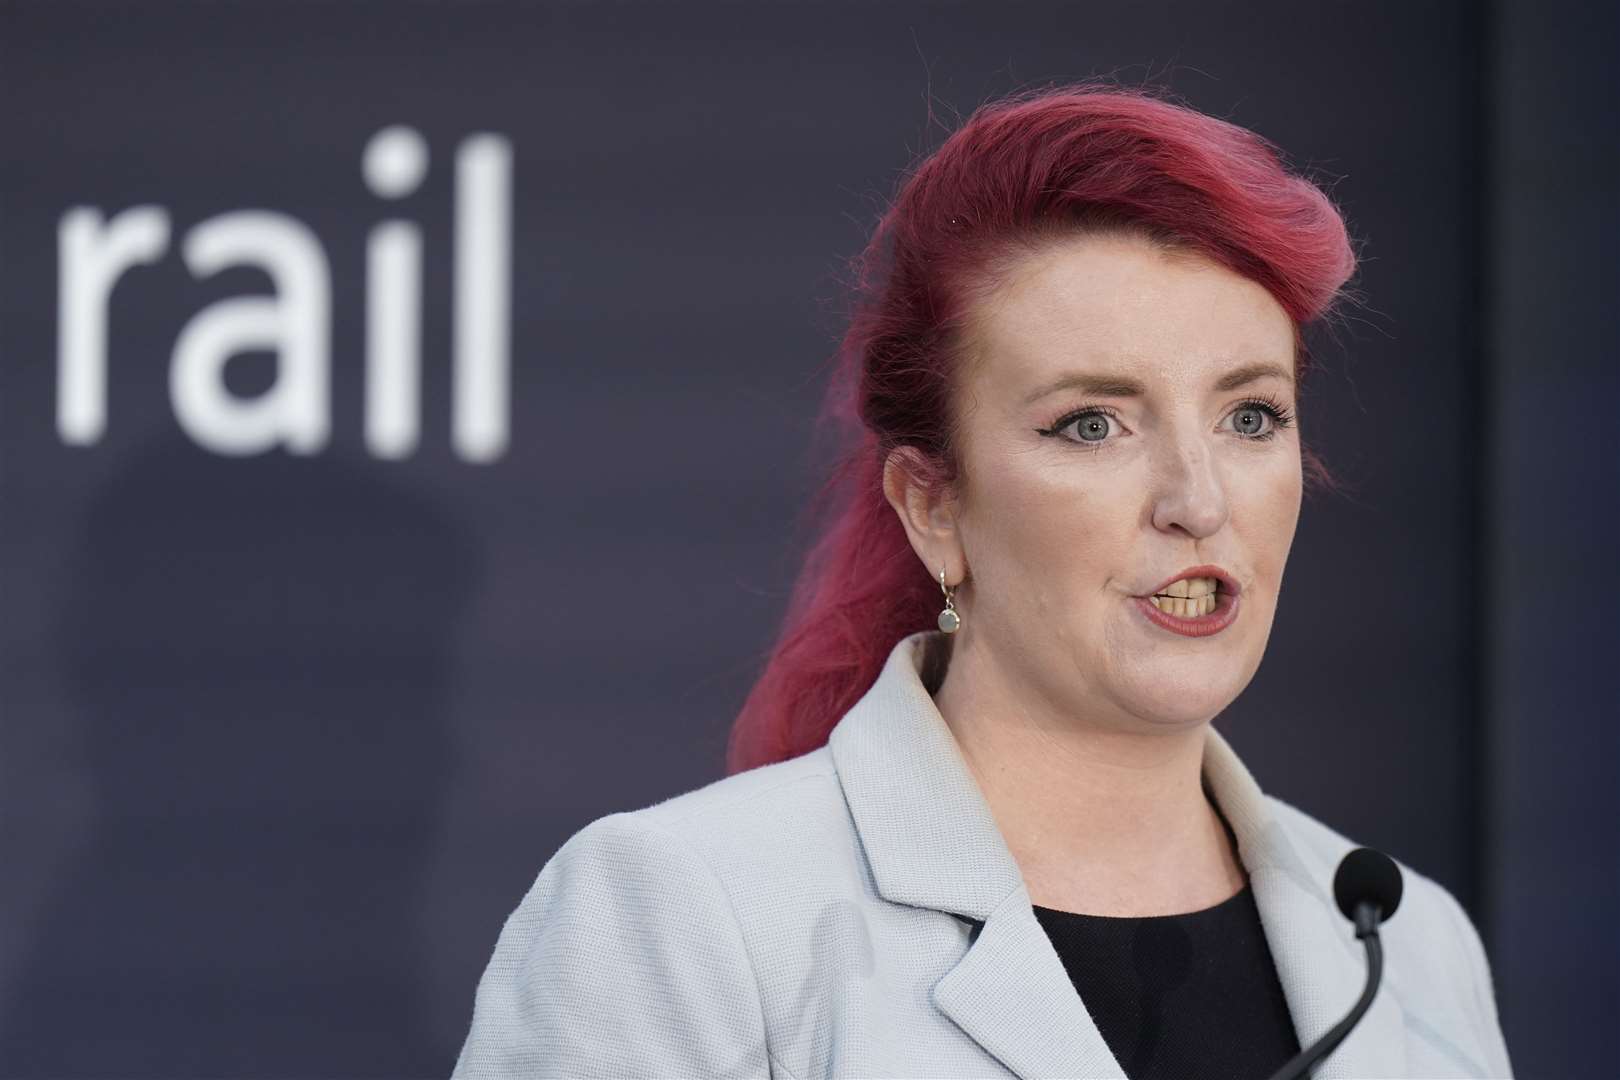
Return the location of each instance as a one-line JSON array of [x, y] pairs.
[[1250, 420], [1089, 427]]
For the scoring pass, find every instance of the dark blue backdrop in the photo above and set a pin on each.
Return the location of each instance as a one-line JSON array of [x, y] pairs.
[[305, 671]]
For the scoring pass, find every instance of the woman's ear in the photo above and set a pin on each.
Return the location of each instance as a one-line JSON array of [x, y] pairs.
[[928, 513]]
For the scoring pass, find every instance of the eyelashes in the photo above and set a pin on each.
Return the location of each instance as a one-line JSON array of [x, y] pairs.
[[1281, 417]]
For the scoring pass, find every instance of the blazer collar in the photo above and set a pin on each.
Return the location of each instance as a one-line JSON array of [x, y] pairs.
[[932, 842]]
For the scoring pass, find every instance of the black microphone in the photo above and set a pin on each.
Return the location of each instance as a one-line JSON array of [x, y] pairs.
[[1367, 886]]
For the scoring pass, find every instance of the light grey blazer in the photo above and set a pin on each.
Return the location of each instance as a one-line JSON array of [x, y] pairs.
[[808, 919]]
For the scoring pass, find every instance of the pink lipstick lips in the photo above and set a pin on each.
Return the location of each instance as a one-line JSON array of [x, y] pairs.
[[1223, 615]]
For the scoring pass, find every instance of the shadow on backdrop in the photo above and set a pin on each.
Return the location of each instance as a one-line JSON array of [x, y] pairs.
[[263, 731]]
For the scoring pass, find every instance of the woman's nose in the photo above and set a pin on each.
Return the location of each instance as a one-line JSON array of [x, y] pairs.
[[1188, 491]]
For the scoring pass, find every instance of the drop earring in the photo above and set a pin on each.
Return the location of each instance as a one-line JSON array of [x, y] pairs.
[[949, 620]]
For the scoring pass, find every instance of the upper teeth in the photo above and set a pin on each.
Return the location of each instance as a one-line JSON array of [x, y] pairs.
[[1193, 587]]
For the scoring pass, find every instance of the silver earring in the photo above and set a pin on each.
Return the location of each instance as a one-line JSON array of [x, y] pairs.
[[949, 620]]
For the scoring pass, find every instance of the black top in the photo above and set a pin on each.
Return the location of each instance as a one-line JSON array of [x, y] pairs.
[[1179, 997]]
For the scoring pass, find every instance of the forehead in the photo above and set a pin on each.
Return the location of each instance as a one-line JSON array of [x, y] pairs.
[[1117, 305]]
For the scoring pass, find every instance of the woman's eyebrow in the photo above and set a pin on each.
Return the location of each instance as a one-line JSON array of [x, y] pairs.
[[1249, 373], [1120, 386]]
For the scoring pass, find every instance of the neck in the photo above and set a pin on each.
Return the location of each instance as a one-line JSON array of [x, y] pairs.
[[1100, 819]]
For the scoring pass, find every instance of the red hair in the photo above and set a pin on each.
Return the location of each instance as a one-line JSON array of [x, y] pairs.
[[1021, 170]]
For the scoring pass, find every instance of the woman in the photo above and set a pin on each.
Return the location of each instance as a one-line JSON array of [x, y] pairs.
[[979, 823]]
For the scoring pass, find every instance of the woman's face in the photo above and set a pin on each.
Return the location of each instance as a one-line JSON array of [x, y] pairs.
[[1116, 430]]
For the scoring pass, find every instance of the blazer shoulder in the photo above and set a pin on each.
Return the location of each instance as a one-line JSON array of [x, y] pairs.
[[1324, 846], [733, 828], [779, 840], [1433, 951], [626, 924]]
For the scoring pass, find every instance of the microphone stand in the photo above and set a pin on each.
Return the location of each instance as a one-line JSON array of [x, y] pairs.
[[1367, 919]]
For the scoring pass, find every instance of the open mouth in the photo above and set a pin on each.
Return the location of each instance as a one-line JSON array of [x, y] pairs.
[[1189, 598]]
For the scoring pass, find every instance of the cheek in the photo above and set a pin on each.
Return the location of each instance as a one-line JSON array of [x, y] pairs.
[[1269, 514], [1051, 526]]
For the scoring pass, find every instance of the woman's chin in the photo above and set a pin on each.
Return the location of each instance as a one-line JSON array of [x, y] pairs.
[[1192, 706]]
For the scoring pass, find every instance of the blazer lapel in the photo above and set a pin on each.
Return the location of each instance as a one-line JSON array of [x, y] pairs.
[[1320, 962], [1011, 993], [932, 842]]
